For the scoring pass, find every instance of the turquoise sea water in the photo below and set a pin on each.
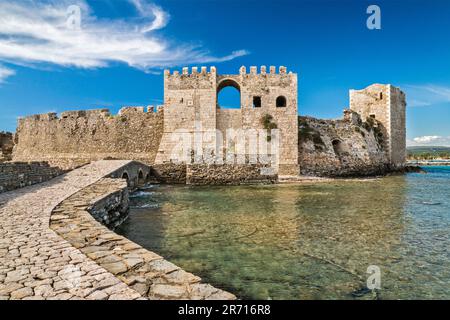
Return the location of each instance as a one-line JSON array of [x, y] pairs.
[[311, 241]]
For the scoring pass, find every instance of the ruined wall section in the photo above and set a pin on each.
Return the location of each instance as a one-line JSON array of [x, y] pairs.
[[78, 137], [336, 148], [6, 146], [386, 104]]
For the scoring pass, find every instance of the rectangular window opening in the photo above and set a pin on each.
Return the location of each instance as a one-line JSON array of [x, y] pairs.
[[256, 102]]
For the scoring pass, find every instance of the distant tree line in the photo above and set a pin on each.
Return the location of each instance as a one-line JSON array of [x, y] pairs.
[[428, 155]]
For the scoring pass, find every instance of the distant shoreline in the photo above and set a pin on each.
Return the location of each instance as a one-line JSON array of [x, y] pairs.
[[429, 163]]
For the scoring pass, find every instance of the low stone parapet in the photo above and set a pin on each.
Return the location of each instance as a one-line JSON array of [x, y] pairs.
[[15, 175]]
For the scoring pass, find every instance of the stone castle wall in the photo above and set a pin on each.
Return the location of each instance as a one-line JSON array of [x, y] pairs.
[[212, 174], [238, 174], [171, 173], [15, 175], [191, 105], [79, 137], [191, 108]]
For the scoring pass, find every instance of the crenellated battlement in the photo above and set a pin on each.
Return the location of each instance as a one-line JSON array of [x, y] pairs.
[[92, 114], [140, 110], [193, 71], [272, 70], [203, 71]]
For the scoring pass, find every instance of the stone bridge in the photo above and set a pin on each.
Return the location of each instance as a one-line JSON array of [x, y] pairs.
[[134, 172], [51, 247]]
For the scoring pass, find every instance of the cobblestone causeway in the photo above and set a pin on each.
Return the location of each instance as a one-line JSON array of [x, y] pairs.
[[35, 262]]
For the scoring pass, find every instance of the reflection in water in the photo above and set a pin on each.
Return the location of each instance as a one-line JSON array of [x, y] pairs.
[[307, 241]]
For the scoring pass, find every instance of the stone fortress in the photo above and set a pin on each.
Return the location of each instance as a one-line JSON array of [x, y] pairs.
[[73, 173], [369, 140]]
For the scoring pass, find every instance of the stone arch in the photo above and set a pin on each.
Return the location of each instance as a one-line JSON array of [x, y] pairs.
[[339, 147], [126, 177], [281, 102], [141, 177], [227, 83]]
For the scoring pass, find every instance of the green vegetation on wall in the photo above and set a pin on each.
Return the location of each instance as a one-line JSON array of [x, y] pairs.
[[267, 123]]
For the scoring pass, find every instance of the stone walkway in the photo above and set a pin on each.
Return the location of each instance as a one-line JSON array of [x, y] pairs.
[[142, 270], [36, 263]]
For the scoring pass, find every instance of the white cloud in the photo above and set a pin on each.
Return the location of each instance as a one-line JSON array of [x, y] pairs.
[[426, 95], [427, 139], [430, 141], [418, 103], [5, 73], [149, 10], [34, 33]]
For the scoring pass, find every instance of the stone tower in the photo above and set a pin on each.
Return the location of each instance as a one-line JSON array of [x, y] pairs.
[[387, 104], [190, 105]]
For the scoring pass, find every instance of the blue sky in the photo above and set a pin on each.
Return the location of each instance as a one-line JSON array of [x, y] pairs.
[[116, 58]]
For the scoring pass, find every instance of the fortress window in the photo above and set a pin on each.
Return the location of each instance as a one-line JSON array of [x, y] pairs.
[[381, 95], [373, 116], [281, 102], [256, 102], [228, 94]]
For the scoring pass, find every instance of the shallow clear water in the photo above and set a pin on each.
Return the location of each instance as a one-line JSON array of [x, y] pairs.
[[312, 241]]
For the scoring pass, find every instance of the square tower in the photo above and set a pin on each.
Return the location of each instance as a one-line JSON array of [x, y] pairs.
[[386, 104], [267, 94], [191, 106]]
